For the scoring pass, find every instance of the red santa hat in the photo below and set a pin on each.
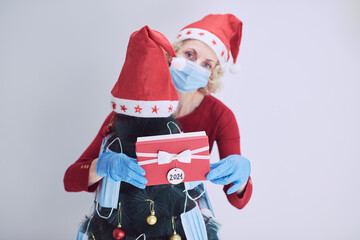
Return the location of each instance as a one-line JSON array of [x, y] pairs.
[[144, 87], [221, 32]]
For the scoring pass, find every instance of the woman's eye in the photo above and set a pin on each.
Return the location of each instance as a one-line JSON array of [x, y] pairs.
[[189, 55], [207, 65]]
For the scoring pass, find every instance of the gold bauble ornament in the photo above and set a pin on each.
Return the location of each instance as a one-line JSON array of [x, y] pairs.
[[175, 236], [152, 219]]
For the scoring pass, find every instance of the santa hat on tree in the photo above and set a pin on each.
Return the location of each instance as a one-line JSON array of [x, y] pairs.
[[221, 32], [144, 87]]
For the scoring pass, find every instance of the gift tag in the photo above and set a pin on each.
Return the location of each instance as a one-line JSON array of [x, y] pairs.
[[175, 176]]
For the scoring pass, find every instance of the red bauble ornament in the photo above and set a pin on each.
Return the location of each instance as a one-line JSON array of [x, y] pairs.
[[107, 130], [118, 233]]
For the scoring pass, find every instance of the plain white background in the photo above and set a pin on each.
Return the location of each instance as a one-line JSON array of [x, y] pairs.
[[296, 101]]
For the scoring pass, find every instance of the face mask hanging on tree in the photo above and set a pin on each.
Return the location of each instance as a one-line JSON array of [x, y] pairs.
[[191, 77], [107, 194]]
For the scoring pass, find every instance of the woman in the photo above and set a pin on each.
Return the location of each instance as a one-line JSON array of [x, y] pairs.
[[205, 46]]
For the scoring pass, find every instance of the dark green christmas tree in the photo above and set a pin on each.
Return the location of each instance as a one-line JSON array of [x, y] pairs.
[[168, 200]]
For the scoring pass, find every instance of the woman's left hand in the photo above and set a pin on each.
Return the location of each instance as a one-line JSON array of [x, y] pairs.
[[232, 169]]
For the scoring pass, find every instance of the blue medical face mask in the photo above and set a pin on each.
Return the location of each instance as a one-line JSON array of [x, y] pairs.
[[81, 236], [107, 194], [193, 224], [192, 77], [83, 231], [192, 185]]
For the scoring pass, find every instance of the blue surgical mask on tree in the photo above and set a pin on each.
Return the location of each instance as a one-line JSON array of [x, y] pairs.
[[191, 77]]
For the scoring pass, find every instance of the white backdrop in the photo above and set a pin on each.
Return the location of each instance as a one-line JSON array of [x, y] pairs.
[[296, 102]]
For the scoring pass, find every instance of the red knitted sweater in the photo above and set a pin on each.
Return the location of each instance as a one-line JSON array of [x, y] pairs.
[[212, 116]]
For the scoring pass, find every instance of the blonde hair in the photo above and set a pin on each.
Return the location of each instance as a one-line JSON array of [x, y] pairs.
[[214, 83]]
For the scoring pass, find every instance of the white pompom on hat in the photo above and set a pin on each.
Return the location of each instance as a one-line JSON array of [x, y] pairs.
[[178, 63], [235, 68], [221, 32]]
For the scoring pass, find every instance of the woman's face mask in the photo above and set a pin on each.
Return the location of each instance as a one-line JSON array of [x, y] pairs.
[[191, 78]]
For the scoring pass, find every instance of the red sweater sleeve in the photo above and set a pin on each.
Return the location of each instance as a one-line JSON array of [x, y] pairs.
[[228, 141], [77, 175], [240, 201]]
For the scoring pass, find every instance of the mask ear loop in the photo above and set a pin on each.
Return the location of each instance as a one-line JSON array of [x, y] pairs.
[[142, 235], [175, 126], [98, 213], [97, 204], [88, 225], [118, 139], [186, 197], [193, 199]]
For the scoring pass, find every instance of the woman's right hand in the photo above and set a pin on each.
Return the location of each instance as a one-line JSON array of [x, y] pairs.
[[120, 167]]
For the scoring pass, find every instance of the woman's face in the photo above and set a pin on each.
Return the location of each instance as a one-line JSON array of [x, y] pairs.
[[198, 52]]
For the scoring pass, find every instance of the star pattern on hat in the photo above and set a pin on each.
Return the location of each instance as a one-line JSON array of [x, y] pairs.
[[171, 108], [155, 109], [138, 109], [123, 108], [211, 39], [113, 105]]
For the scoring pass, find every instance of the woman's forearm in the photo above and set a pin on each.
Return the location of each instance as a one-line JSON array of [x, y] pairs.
[[241, 189], [93, 177]]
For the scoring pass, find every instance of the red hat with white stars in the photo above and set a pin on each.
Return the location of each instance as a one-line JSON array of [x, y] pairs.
[[221, 32], [144, 87]]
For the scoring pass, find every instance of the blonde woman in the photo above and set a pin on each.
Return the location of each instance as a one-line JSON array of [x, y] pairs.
[[205, 48]]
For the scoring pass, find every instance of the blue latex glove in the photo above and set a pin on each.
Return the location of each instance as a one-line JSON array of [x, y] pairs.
[[120, 167], [232, 169]]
